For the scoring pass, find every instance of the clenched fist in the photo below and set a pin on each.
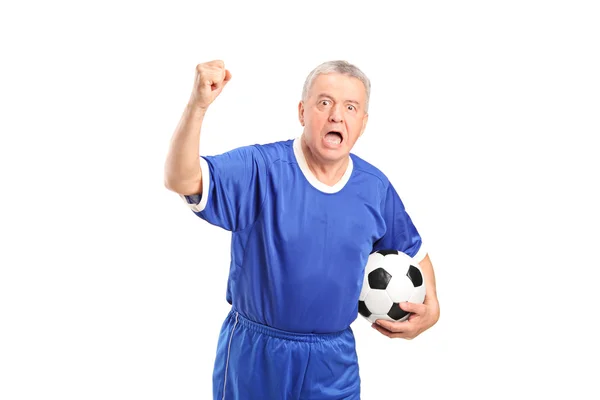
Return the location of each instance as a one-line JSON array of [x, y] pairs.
[[211, 78]]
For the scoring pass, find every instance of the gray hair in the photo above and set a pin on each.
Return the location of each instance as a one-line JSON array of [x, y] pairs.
[[339, 67]]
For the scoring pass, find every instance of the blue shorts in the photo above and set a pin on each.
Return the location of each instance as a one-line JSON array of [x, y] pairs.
[[257, 362]]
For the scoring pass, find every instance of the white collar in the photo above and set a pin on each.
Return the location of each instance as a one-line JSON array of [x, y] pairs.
[[299, 154]]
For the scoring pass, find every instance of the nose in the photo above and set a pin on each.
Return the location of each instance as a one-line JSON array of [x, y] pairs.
[[336, 114]]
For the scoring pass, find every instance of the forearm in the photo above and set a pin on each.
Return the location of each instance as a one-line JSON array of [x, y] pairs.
[[430, 285], [182, 167]]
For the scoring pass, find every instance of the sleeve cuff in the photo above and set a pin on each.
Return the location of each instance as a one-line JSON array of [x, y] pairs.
[[420, 254], [197, 202]]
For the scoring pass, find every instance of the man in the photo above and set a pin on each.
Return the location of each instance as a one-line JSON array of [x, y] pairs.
[[304, 214]]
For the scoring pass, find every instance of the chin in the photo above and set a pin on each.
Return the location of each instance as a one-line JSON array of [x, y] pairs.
[[335, 154]]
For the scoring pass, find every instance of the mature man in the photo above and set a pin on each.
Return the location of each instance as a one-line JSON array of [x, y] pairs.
[[304, 214]]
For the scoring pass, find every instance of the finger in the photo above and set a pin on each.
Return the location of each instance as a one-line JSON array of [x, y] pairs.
[[393, 326], [217, 63], [225, 77], [213, 79], [393, 335], [413, 307]]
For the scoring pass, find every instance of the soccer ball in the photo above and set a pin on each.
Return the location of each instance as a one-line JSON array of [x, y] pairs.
[[391, 277]]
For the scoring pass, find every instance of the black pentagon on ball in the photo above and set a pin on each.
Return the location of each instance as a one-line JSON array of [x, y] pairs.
[[379, 279], [363, 310], [386, 252], [415, 276], [396, 312]]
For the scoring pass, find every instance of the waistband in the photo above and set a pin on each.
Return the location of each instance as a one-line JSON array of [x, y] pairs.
[[281, 334]]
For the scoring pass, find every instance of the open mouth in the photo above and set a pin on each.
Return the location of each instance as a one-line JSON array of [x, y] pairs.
[[334, 137]]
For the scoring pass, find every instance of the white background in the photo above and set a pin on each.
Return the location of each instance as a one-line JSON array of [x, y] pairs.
[[484, 115]]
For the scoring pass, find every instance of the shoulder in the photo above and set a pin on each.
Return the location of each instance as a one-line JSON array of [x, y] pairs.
[[263, 153], [386, 189], [274, 151], [369, 170]]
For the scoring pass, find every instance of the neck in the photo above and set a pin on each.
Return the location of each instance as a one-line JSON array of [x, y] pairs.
[[327, 172]]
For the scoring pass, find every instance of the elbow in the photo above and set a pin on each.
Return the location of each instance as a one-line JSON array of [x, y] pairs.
[[189, 187], [181, 179], [169, 182], [168, 185]]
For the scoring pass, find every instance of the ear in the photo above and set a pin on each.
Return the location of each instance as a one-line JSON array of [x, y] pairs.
[[364, 124], [301, 112]]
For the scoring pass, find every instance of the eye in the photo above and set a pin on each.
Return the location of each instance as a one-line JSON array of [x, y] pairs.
[[324, 102], [351, 107]]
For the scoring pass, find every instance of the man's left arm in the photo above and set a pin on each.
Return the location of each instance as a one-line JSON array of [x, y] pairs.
[[422, 317]]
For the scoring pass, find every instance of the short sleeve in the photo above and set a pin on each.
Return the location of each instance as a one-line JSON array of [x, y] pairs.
[[233, 188], [401, 234]]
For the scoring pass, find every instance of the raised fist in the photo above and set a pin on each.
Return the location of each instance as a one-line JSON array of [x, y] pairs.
[[211, 78]]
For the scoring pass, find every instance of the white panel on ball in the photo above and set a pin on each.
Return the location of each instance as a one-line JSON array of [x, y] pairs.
[[378, 301]]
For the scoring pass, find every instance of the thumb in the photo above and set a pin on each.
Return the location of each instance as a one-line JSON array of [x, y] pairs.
[[227, 76], [218, 87]]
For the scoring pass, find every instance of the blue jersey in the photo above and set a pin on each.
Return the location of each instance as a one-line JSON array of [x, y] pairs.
[[299, 247]]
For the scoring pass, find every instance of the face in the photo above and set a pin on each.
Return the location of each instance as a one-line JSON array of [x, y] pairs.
[[333, 116]]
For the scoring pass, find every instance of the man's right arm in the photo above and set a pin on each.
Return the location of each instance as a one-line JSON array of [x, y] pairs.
[[183, 174]]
